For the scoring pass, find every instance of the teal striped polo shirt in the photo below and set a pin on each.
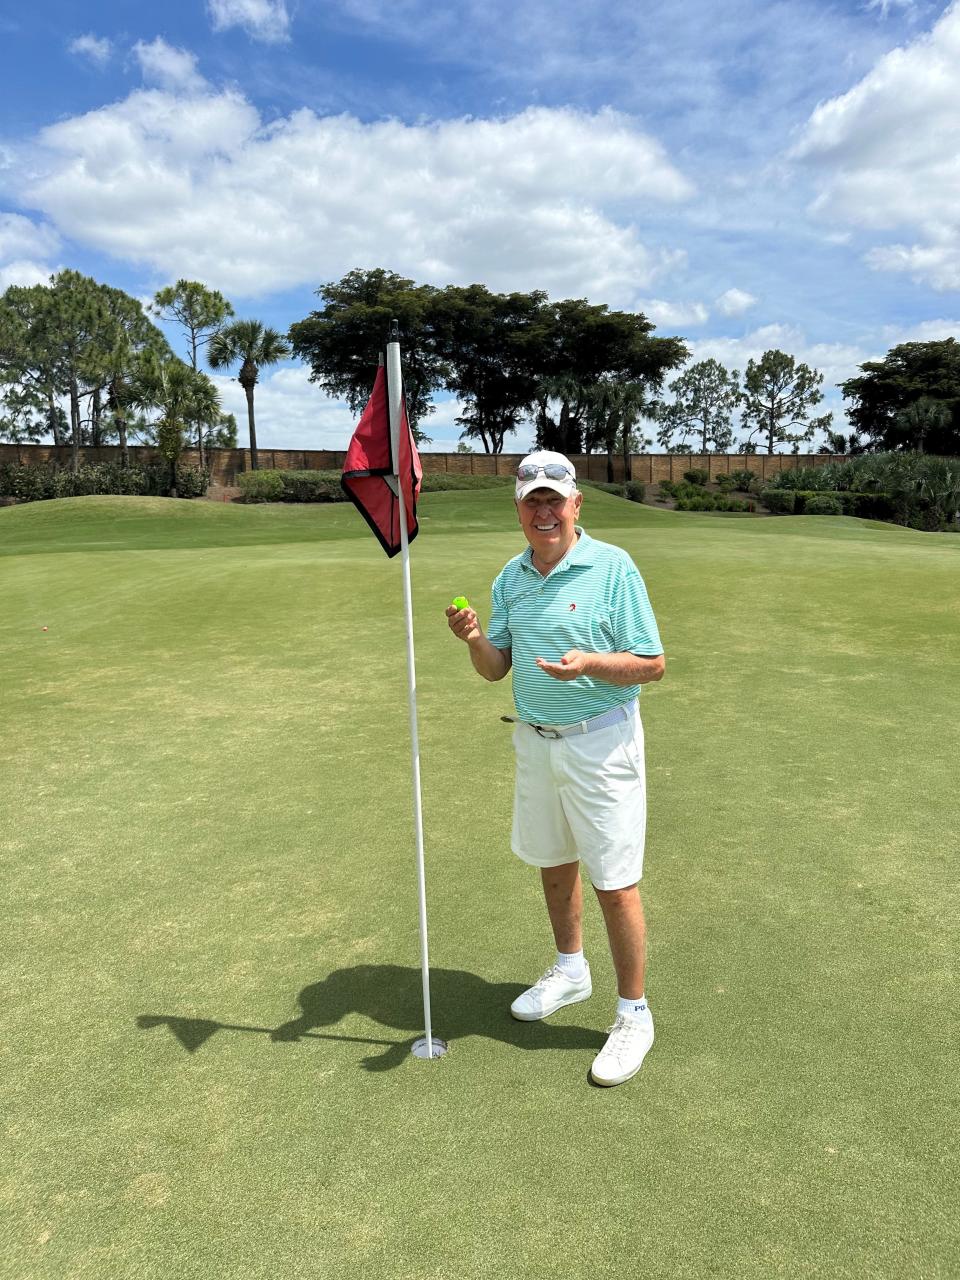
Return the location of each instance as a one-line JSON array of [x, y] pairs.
[[594, 600]]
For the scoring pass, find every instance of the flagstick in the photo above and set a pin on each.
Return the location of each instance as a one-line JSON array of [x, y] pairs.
[[428, 1047]]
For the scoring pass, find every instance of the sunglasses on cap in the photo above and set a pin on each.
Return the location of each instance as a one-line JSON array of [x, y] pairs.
[[552, 470]]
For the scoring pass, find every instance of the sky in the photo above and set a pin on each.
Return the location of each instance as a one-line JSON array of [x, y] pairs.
[[749, 175]]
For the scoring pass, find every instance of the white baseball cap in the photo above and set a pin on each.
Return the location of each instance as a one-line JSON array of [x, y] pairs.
[[546, 470]]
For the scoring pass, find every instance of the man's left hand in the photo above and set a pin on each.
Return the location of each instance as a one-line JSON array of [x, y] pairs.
[[571, 665]]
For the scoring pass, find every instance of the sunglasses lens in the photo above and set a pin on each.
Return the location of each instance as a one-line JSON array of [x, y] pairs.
[[553, 471]]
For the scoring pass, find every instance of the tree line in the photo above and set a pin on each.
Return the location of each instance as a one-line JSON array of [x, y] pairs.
[[86, 364]]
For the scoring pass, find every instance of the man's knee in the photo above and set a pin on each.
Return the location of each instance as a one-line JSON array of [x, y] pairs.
[[617, 901]]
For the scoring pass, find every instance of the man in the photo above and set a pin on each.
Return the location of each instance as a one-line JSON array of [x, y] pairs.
[[571, 619]]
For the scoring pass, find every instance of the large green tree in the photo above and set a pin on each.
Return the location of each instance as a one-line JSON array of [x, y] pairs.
[[253, 346], [778, 396], [74, 339], [582, 344], [200, 312], [705, 397], [485, 345], [22, 417], [909, 400], [180, 401], [615, 409], [343, 341]]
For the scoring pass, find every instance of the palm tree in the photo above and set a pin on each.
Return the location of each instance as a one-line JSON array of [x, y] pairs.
[[185, 397], [614, 410], [254, 346]]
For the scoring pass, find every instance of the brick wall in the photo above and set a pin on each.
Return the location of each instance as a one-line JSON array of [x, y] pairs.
[[227, 464]]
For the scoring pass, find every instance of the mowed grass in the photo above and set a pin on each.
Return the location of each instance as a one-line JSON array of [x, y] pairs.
[[211, 981]]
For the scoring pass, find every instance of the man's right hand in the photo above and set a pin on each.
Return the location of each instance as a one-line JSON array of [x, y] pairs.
[[488, 661], [463, 623]]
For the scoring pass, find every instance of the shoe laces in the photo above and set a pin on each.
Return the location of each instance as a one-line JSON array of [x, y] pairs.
[[622, 1035], [553, 972]]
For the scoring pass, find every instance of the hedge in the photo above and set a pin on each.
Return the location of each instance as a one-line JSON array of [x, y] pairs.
[[39, 484], [325, 486], [823, 504]]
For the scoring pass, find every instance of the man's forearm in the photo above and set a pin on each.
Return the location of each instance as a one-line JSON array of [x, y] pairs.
[[624, 668], [492, 663]]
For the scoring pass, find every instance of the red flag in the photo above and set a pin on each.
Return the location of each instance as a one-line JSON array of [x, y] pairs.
[[369, 462]]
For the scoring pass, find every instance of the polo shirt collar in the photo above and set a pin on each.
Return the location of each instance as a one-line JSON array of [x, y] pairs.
[[580, 553]]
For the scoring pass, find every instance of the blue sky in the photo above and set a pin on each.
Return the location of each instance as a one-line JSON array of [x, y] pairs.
[[749, 175]]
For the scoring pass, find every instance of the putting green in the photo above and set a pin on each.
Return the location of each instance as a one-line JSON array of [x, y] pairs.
[[211, 973]]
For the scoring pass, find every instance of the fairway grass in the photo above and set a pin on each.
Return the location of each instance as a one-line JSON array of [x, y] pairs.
[[211, 976]]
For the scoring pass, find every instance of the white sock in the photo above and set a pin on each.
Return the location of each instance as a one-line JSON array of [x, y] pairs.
[[633, 1008], [572, 964]]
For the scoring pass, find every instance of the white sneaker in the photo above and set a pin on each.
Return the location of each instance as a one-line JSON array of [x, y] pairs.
[[550, 993], [623, 1054]]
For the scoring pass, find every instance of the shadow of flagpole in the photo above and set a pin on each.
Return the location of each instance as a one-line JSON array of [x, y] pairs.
[[193, 1033]]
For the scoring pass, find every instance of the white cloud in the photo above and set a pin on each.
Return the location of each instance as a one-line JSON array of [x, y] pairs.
[[922, 331], [265, 20], [20, 236], [168, 67], [835, 360], [24, 246], [887, 155], [883, 7], [293, 413], [735, 302], [97, 48], [673, 315], [23, 273], [194, 184]]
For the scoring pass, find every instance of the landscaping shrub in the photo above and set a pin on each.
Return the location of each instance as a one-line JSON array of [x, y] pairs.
[[325, 486], [744, 480], [823, 504], [634, 490], [712, 502], [873, 506], [37, 484], [192, 482], [260, 486], [779, 502], [696, 476], [668, 489], [914, 489], [311, 486], [725, 483], [604, 486]]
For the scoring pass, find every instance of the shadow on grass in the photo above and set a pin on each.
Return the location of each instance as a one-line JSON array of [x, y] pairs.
[[461, 1003]]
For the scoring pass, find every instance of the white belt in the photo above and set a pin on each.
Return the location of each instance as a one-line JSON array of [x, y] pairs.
[[602, 721]]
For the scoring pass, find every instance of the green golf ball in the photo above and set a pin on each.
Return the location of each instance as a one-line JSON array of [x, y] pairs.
[[461, 602]]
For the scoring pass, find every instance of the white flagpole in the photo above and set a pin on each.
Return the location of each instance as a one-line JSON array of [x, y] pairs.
[[428, 1047]]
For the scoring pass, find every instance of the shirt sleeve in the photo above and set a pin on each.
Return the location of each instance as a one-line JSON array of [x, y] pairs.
[[631, 615], [498, 631]]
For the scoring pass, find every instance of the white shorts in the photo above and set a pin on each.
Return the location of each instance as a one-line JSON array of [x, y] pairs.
[[582, 797]]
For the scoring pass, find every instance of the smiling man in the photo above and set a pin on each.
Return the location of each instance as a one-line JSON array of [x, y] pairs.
[[572, 621]]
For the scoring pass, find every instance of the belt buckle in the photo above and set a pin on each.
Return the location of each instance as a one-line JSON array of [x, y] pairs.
[[547, 733]]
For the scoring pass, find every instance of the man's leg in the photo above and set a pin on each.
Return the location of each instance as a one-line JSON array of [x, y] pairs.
[[563, 892], [627, 934], [632, 1033], [561, 984]]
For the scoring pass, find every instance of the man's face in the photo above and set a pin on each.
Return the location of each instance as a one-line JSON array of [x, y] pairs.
[[548, 519]]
